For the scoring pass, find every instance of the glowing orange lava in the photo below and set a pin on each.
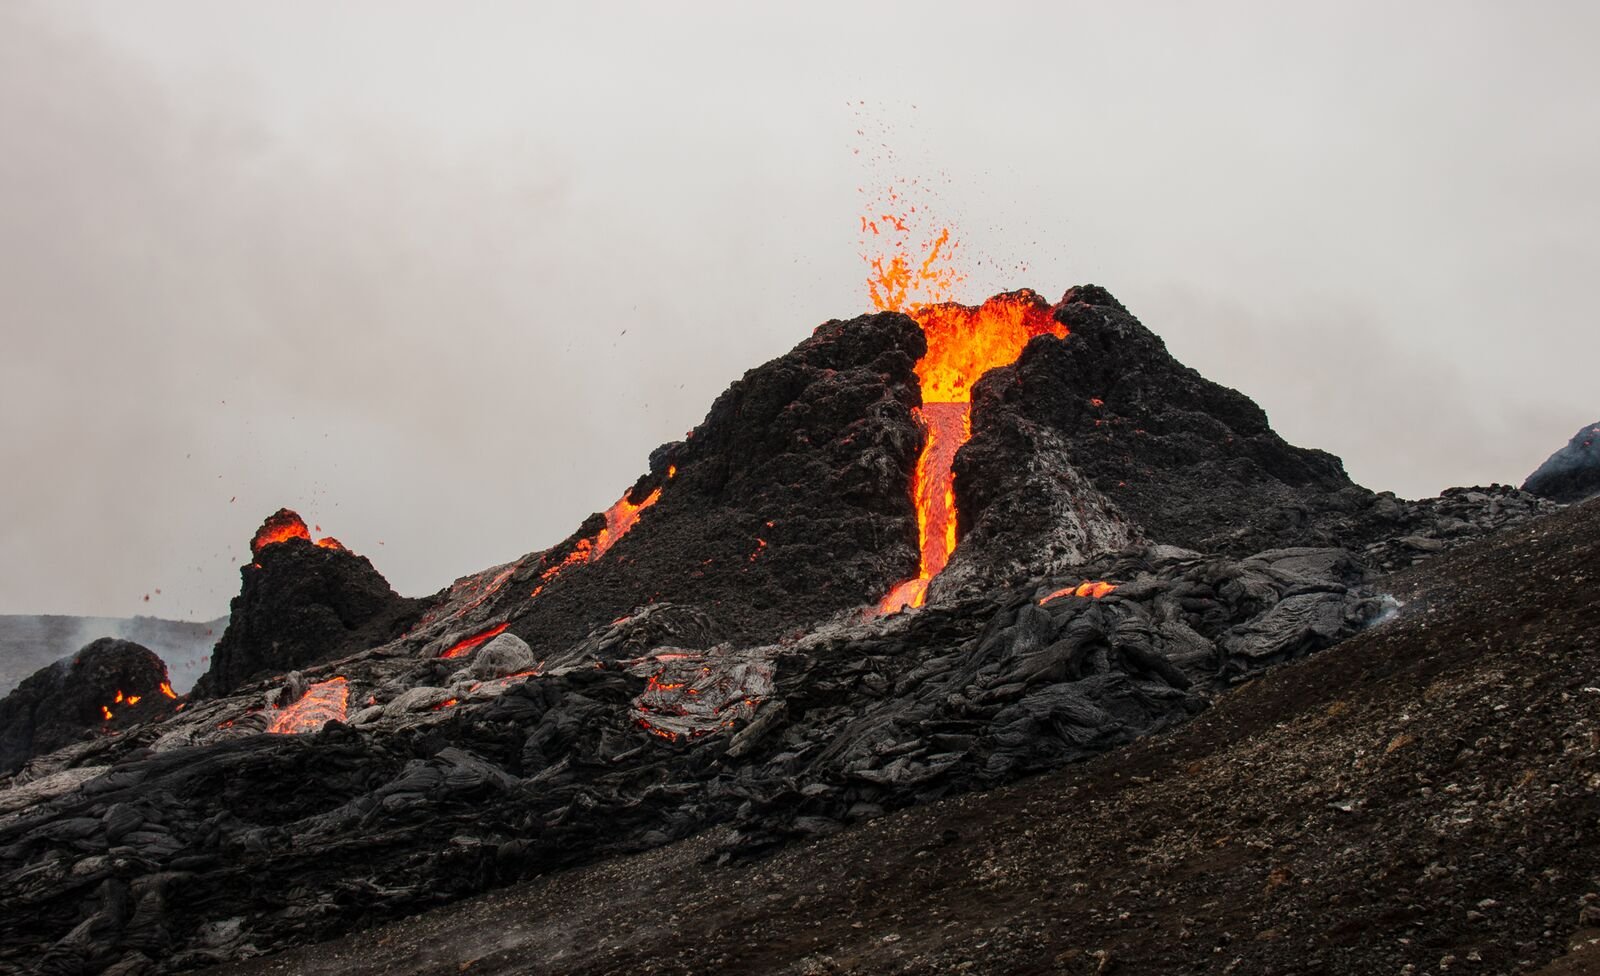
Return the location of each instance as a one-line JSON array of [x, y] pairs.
[[329, 542], [466, 646], [166, 689], [323, 702], [281, 526], [1090, 588], [964, 342], [620, 517]]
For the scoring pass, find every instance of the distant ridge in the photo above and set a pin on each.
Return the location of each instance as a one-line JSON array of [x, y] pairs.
[[28, 642]]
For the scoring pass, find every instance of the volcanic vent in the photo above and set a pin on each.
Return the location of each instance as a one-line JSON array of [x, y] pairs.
[[1085, 538], [963, 344], [301, 603]]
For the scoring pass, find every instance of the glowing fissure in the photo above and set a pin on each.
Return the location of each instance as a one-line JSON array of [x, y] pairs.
[[469, 644], [964, 342], [620, 518], [323, 702], [1094, 589]]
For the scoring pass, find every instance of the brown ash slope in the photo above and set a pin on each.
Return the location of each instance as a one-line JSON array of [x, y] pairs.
[[1420, 798], [713, 665]]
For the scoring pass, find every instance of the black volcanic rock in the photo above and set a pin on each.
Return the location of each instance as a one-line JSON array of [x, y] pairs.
[[710, 666], [1190, 462], [1572, 473], [789, 502], [301, 604], [91, 690]]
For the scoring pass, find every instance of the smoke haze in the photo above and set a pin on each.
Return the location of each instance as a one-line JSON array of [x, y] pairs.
[[441, 280]]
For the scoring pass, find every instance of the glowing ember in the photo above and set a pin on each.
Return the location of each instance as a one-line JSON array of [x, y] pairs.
[[133, 699], [466, 646], [581, 553], [1094, 589], [166, 689], [322, 703], [118, 698], [329, 542], [281, 526], [447, 703], [106, 712], [895, 284], [964, 342]]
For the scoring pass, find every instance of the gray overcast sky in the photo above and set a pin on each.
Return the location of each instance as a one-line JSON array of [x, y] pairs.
[[373, 261]]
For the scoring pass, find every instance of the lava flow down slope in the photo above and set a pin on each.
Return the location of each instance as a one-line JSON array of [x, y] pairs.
[[932, 549]]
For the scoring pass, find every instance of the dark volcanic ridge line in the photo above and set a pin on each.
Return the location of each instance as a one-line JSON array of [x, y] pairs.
[[1132, 541]]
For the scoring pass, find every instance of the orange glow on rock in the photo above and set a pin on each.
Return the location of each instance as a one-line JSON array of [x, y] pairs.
[[620, 518], [466, 646], [964, 342], [281, 526], [166, 689], [106, 712], [1094, 589], [329, 542], [322, 703]]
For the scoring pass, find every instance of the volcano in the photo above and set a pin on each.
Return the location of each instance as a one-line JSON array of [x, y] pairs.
[[919, 555]]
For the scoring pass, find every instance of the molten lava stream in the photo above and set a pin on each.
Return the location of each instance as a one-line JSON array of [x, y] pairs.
[[963, 343], [620, 517], [467, 645], [946, 427]]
